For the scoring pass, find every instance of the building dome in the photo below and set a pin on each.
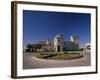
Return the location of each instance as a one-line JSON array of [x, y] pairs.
[[59, 36]]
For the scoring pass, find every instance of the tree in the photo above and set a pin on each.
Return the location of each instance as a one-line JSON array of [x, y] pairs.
[[30, 47], [34, 47]]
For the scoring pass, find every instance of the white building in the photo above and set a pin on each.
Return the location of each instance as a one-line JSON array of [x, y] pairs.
[[59, 44], [74, 38], [88, 47]]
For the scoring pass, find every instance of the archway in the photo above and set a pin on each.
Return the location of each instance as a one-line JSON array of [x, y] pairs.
[[58, 48]]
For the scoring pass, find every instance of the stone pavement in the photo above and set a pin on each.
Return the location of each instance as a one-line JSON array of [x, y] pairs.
[[30, 62]]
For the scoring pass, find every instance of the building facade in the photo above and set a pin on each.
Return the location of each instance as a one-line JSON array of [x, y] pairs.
[[87, 47], [59, 44]]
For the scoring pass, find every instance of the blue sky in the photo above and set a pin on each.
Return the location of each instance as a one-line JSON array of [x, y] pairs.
[[43, 25]]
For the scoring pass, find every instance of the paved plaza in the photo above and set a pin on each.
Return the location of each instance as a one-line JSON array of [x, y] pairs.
[[31, 62]]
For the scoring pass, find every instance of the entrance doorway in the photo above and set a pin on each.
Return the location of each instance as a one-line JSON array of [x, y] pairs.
[[58, 48]]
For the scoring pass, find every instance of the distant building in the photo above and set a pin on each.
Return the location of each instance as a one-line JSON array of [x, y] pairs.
[[74, 38], [88, 47], [59, 44], [69, 45]]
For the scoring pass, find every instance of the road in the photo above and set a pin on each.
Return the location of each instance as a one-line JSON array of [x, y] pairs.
[[30, 62]]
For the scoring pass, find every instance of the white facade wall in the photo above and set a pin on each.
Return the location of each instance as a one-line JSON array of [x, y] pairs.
[[58, 43]]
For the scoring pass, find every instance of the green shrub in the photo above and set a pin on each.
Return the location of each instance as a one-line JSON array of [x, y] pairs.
[[65, 52], [49, 55]]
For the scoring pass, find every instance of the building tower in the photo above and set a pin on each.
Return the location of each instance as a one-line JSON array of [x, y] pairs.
[[48, 42], [74, 38], [58, 43]]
